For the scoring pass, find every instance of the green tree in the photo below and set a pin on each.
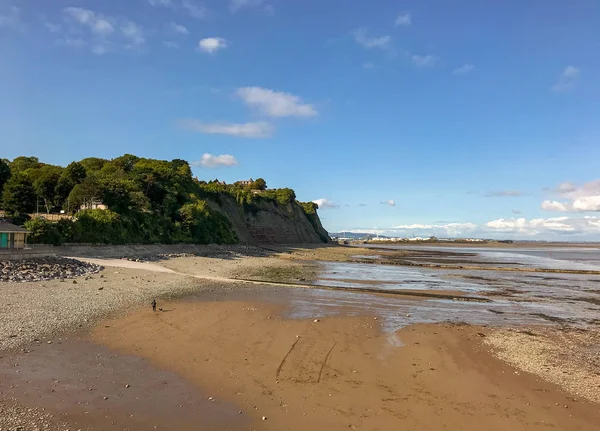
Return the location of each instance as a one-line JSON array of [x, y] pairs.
[[72, 175], [18, 197], [46, 185], [259, 184], [4, 173], [41, 231], [22, 163], [92, 164], [88, 191]]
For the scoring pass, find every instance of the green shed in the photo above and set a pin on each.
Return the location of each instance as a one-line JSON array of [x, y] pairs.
[[12, 236]]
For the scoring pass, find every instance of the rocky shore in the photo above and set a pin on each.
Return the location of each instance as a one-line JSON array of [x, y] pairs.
[[44, 269]]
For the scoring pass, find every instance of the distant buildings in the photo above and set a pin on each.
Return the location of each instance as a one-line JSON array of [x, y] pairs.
[[93, 205], [245, 182]]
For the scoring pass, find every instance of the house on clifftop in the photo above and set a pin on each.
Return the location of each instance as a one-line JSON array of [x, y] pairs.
[[12, 237]]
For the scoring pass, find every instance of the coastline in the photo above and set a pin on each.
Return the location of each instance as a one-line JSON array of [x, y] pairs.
[[233, 318]]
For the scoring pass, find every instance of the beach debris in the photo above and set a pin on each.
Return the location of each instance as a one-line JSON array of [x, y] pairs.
[[127, 385], [316, 320], [211, 399], [264, 418], [105, 398]]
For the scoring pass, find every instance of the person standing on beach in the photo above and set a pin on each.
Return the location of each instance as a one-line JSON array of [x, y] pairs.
[[154, 305]]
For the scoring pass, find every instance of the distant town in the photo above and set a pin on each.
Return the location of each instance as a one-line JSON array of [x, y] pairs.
[[347, 237]]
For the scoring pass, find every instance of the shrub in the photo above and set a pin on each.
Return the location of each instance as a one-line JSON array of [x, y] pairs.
[[41, 231]]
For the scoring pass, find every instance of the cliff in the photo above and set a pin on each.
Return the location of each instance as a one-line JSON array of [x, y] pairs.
[[268, 221]]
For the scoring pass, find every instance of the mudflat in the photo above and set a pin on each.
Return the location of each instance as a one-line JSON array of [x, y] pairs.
[[342, 373], [246, 334]]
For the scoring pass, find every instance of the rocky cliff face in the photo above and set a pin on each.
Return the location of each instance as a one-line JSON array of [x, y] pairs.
[[270, 222]]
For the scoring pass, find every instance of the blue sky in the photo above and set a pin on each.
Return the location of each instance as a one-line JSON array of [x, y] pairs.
[[410, 117]]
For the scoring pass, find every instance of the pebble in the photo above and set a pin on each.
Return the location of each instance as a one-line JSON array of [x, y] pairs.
[[45, 268], [316, 320]]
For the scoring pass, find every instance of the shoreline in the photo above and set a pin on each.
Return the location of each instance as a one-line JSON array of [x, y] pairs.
[[55, 312]]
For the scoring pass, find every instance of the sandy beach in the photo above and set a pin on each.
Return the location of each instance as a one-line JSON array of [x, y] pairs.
[[221, 353]]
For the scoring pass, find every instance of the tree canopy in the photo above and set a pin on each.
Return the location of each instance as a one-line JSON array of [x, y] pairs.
[[148, 200]]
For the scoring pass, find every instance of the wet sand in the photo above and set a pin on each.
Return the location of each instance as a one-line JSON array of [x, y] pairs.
[[343, 372], [254, 348]]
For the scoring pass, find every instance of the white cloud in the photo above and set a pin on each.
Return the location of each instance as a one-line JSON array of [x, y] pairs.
[[554, 206], [72, 43], [570, 72], [424, 60], [464, 69], [178, 28], [164, 3], [103, 34], [212, 44], [533, 226], [324, 203], [575, 199], [236, 5], [52, 28], [243, 130], [567, 80], [102, 27], [133, 33], [99, 49], [170, 44], [555, 228], [12, 18], [211, 161], [275, 103], [503, 193], [361, 37], [390, 202], [404, 19], [195, 10]]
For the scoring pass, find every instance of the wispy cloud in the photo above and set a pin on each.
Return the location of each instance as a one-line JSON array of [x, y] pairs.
[[368, 65], [194, 9], [133, 33], [404, 19], [274, 103], [71, 42], [243, 130], [212, 44], [170, 44], [464, 69], [164, 3], [237, 5], [390, 202], [105, 32], [516, 211], [53, 28], [212, 161], [575, 198], [567, 80], [424, 60], [503, 193], [178, 28], [382, 42], [10, 18], [325, 203]]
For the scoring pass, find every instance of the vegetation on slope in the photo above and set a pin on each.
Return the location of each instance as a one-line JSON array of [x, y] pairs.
[[148, 200]]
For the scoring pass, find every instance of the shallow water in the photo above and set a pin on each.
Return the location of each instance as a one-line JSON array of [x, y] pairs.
[[578, 258], [516, 297]]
